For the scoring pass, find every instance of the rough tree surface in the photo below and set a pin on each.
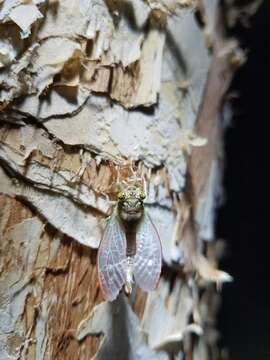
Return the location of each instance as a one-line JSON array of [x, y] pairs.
[[91, 92]]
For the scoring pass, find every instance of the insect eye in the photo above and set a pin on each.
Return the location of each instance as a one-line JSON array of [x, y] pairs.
[[142, 195], [121, 196]]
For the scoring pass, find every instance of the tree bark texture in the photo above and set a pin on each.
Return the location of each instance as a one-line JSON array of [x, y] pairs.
[[93, 91]]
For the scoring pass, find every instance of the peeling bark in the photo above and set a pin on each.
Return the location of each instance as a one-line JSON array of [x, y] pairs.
[[91, 93]]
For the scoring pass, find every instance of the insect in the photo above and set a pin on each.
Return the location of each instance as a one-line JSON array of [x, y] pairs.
[[130, 248]]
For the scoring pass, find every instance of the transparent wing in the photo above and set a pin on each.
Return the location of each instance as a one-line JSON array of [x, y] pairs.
[[112, 262], [148, 257]]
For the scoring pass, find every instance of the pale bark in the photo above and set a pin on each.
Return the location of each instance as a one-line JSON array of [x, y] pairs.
[[88, 87]]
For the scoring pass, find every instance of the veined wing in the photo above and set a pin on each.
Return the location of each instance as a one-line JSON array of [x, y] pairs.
[[148, 257], [112, 262]]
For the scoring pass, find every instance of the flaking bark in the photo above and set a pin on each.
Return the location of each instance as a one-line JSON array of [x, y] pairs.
[[93, 92]]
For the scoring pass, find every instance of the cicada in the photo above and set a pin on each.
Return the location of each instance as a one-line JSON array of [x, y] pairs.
[[130, 249]]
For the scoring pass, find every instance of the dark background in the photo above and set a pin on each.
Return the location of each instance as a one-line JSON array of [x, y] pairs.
[[244, 220]]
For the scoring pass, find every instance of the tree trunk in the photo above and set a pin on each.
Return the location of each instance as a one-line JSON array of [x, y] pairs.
[[94, 92]]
